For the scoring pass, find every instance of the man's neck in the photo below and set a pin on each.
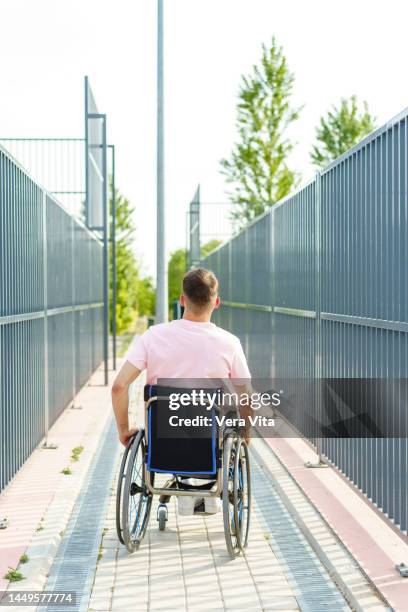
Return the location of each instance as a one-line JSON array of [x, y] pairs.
[[204, 317]]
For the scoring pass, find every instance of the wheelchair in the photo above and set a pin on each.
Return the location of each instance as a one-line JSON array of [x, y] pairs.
[[213, 453]]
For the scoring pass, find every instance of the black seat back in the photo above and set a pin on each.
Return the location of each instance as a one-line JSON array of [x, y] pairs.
[[174, 445]]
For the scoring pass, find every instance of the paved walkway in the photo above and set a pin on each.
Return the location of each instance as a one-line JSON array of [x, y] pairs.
[[188, 568], [294, 561]]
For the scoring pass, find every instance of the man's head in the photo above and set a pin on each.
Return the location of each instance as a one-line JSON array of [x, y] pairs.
[[200, 291]]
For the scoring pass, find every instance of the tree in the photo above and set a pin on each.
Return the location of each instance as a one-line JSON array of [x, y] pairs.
[[146, 297], [342, 127], [209, 246], [257, 168], [176, 270], [177, 267], [134, 293]]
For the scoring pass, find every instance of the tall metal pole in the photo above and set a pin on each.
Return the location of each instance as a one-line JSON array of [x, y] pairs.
[[161, 282], [105, 255], [113, 186]]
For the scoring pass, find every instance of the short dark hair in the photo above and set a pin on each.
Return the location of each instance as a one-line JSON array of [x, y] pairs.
[[200, 286]]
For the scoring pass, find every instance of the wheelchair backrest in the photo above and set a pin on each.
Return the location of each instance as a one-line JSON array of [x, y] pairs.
[[182, 438]]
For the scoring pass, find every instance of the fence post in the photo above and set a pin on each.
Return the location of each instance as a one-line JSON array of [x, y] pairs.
[[194, 254], [318, 344], [46, 444], [74, 334], [272, 297]]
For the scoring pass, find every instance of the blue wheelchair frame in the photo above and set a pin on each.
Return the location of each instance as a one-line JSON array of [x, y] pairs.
[[215, 474]]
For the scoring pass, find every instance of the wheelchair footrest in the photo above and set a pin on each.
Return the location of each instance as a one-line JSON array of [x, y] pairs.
[[173, 485], [204, 487]]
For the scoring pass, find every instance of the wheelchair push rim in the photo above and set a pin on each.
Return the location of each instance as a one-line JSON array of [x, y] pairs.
[[229, 497], [120, 487], [137, 501], [242, 492]]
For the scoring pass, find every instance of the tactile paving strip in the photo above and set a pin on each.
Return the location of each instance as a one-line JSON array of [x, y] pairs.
[[74, 566], [314, 589]]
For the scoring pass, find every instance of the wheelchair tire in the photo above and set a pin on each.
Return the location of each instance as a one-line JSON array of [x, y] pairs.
[[229, 495], [137, 501], [242, 492], [119, 491], [162, 518]]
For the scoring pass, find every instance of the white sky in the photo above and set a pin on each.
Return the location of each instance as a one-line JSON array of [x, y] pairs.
[[46, 46]]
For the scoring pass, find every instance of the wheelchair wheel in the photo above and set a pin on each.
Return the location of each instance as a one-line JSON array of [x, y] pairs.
[[230, 495], [137, 501], [162, 516], [242, 492], [119, 491]]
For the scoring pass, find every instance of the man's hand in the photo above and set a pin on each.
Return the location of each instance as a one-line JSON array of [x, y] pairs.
[[245, 410], [245, 433], [124, 436]]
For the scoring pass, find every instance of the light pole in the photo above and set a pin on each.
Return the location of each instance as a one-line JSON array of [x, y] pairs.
[[161, 283]]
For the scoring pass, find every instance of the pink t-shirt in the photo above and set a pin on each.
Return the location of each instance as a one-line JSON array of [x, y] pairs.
[[187, 349]]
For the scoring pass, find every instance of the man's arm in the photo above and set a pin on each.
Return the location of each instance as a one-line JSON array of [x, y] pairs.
[[244, 393], [242, 383], [120, 400]]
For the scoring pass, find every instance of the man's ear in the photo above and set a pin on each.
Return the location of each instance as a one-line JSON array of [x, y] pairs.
[[182, 301], [217, 302]]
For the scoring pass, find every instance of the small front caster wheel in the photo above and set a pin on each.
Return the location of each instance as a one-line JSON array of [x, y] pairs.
[[162, 516]]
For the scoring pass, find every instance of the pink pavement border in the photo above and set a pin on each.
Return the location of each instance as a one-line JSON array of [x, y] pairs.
[[373, 543]]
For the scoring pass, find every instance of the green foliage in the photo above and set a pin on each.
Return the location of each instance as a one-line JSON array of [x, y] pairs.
[[146, 297], [209, 246], [135, 294], [76, 452], [24, 558], [257, 168], [66, 471], [177, 267], [14, 575], [342, 127]]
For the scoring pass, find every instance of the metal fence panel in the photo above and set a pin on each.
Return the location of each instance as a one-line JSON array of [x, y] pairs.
[[22, 394], [317, 288], [57, 164], [364, 302], [21, 241], [59, 227], [60, 363]]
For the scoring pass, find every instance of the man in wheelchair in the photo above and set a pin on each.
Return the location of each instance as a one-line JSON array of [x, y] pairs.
[[187, 349]]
